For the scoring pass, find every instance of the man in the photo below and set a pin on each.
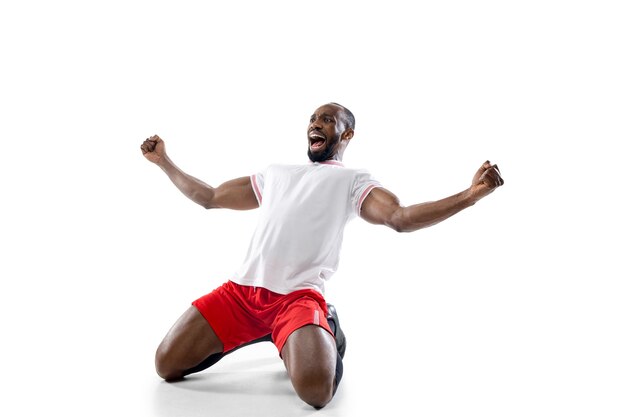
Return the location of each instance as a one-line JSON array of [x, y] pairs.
[[278, 293]]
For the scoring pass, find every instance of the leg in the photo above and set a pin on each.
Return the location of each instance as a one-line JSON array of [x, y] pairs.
[[189, 342], [310, 356], [214, 358]]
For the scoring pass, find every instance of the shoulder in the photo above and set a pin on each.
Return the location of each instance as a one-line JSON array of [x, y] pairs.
[[284, 168], [362, 174]]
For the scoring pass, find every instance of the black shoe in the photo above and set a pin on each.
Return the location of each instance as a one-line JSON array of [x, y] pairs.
[[340, 337]]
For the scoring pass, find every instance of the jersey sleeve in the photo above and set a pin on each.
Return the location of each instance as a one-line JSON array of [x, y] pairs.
[[363, 184], [258, 182]]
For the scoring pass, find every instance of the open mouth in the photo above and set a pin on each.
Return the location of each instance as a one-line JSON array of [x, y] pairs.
[[316, 141]]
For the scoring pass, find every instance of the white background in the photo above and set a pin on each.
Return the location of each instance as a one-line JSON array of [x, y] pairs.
[[514, 307]]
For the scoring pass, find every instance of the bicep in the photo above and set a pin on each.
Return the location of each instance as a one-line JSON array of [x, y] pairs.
[[236, 194], [381, 207]]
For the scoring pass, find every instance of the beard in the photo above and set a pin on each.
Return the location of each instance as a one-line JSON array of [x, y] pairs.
[[322, 156]]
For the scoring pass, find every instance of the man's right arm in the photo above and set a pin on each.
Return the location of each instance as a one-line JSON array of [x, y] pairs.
[[235, 194]]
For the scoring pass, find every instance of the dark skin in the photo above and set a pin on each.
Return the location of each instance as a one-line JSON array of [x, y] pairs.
[[310, 352]]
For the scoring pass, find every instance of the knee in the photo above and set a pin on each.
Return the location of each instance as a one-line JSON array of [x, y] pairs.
[[315, 388], [164, 365]]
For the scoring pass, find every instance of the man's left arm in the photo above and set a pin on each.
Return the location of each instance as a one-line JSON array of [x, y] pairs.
[[383, 207]]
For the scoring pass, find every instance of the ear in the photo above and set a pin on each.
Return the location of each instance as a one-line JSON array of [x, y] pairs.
[[347, 134]]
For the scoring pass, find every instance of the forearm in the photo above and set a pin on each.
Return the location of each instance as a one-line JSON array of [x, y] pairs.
[[194, 189], [419, 216]]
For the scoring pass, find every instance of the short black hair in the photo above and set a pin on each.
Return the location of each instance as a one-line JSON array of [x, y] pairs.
[[350, 122]]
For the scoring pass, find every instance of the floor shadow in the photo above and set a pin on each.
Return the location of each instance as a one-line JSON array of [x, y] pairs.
[[250, 387]]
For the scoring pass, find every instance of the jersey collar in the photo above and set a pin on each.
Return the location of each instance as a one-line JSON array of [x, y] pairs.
[[329, 162]]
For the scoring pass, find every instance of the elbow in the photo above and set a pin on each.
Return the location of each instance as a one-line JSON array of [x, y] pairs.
[[403, 228], [399, 223], [203, 199], [208, 204], [407, 228], [204, 202], [396, 226], [400, 229]]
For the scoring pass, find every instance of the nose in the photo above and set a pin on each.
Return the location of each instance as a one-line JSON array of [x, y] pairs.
[[315, 124]]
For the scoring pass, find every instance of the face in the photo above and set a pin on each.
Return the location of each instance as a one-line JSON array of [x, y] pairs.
[[326, 132]]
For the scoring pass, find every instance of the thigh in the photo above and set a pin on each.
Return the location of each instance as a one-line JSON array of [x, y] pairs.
[[190, 340], [310, 347], [310, 356]]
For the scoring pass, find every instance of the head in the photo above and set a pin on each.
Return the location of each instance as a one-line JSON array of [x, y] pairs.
[[330, 129]]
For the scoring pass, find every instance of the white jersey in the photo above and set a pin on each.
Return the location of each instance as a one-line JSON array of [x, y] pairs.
[[303, 212]]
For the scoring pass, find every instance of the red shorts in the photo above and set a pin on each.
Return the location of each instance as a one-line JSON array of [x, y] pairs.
[[240, 314]]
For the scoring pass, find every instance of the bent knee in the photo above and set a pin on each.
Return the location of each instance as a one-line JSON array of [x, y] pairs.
[[169, 375], [163, 364], [315, 389]]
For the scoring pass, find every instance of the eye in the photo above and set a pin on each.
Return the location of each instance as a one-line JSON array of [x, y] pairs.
[[312, 119], [327, 119]]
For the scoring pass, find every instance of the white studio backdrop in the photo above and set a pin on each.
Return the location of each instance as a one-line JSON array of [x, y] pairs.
[[512, 307]]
